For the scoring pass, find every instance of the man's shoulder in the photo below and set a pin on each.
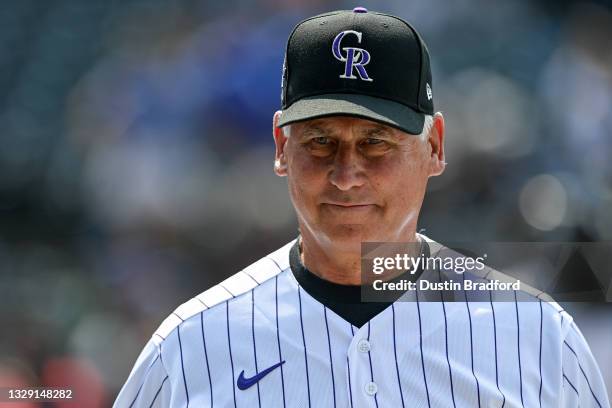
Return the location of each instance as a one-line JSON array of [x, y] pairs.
[[525, 293], [230, 289]]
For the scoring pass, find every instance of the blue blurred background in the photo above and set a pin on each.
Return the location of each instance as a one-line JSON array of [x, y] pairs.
[[136, 157]]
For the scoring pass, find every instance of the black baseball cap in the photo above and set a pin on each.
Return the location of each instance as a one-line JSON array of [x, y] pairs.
[[357, 63]]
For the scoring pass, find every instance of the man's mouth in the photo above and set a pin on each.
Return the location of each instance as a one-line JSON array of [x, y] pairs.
[[349, 206]]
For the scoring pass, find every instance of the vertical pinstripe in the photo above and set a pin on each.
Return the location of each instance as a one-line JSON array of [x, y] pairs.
[[178, 333], [331, 362], [254, 346], [229, 346], [143, 381], [421, 346], [158, 391], [570, 383], [206, 358], [304, 343], [399, 382], [518, 343], [253, 279], [450, 373], [469, 313], [280, 355], [348, 367], [371, 369], [495, 343], [541, 324], [586, 378]]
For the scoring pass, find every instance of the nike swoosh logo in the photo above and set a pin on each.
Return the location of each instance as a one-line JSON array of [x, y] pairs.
[[244, 383]]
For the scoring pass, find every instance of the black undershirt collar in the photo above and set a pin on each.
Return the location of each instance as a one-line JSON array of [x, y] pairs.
[[344, 300]]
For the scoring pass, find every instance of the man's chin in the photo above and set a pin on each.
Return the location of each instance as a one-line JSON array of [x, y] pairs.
[[348, 237]]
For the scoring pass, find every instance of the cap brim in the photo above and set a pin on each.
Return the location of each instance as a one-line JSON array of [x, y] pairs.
[[363, 106]]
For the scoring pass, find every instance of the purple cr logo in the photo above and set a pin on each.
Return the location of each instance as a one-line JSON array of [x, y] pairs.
[[356, 58]]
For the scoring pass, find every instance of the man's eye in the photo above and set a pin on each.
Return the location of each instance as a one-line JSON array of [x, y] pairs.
[[321, 140], [373, 141]]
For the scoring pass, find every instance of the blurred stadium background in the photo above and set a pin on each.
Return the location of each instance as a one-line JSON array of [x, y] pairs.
[[136, 157]]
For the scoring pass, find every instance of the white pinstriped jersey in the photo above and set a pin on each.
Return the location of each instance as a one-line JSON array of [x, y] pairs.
[[413, 354]]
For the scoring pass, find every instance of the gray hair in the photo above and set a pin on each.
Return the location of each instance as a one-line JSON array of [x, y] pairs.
[[427, 125]]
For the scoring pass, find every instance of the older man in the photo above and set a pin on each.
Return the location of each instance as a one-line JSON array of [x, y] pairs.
[[358, 139]]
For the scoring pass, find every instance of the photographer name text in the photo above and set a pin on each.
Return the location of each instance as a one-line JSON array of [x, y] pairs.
[[450, 285]]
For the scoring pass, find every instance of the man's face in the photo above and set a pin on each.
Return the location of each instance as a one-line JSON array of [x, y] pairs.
[[353, 180]]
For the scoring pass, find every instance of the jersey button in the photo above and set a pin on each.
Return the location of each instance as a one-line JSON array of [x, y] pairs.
[[371, 388], [363, 345]]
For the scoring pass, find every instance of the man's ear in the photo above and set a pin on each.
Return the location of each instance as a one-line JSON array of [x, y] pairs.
[[280, 141], [437, 160]]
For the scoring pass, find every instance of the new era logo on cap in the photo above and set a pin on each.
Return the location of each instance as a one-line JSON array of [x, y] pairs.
[[357, 63]]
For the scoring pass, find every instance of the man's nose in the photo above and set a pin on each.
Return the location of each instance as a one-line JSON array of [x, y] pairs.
[[347, 169]]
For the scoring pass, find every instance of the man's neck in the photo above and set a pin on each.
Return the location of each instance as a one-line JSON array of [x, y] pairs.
[[333, 264]]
